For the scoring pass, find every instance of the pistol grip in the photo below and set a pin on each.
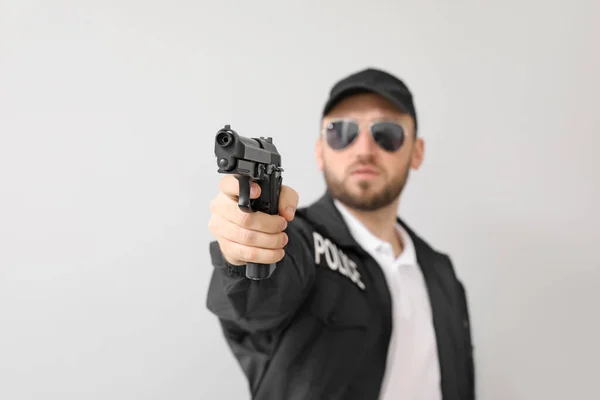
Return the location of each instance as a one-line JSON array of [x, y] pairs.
[[268, 203]]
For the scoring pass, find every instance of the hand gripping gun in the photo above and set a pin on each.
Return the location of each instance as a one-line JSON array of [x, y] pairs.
[[251, 160]]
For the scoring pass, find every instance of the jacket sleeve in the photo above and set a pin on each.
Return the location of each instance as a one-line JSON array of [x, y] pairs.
[[253, 306]]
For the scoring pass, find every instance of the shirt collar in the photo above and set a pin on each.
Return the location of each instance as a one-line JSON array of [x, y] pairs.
[[357, 229], [372, 243], [409, 254]]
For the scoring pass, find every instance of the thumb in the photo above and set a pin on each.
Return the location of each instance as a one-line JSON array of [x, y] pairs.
[[288, 202]]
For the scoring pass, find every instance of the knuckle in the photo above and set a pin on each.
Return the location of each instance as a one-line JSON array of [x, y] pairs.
[[284, 239], [225, 247], [247, 236], [240, 253], [249, 254], [228, 252], [245, 219], [278, 255], [273, 256], [283, 224], [276, 224], [278, 240]]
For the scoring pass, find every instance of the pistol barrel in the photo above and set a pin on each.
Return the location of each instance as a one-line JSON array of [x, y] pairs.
[[231, 148]]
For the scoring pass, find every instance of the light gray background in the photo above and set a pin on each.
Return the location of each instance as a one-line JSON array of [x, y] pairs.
[[108, 110]]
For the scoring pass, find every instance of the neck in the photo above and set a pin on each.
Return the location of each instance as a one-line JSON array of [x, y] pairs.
[[381, 223]]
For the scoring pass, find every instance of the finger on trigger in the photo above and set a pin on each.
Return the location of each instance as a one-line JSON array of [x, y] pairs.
[[255, 190], [257, 221], [230, 186]]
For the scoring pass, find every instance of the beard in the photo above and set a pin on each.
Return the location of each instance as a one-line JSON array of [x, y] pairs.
[[366, 199]]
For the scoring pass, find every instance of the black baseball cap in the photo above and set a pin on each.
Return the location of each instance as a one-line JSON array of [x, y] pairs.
[[373, 80]]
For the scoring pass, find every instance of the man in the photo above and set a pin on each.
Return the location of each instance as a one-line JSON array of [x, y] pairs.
[[359, 306]]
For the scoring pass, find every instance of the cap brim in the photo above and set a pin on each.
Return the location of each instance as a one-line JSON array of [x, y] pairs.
[[358, 89]]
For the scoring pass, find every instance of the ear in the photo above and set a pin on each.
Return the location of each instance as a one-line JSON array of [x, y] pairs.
[[319, 153], [417, 154]]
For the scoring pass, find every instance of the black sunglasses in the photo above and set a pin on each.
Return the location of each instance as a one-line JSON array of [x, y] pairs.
[[341, 133]]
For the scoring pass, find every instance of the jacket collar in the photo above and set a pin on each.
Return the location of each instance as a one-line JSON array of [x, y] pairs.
[[324, 214]]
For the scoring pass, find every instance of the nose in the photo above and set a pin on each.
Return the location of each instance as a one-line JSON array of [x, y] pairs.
[[364, 144]]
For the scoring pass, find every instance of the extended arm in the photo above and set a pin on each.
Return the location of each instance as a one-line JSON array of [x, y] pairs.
[[262, 304]]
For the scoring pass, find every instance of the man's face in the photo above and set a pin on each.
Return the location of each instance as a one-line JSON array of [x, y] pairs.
[[363, 175]]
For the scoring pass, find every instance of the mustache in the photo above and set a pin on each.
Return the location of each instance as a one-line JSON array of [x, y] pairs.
[[357, 167], [372, 164]]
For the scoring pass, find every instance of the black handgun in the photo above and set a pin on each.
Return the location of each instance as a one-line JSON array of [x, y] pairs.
[[251, 160]]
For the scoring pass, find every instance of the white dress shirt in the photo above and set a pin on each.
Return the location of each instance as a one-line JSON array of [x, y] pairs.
[[412, 370]]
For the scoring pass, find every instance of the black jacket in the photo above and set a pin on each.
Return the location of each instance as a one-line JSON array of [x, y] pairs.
[[319, 328]]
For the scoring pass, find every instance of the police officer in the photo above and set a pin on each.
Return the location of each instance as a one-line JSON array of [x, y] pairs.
[[359, 306]]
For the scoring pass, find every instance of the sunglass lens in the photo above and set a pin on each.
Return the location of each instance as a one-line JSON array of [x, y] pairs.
[[340, 134], [388, 135]]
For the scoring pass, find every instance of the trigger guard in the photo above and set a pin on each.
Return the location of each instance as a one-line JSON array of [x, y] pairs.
[[244, 202]]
